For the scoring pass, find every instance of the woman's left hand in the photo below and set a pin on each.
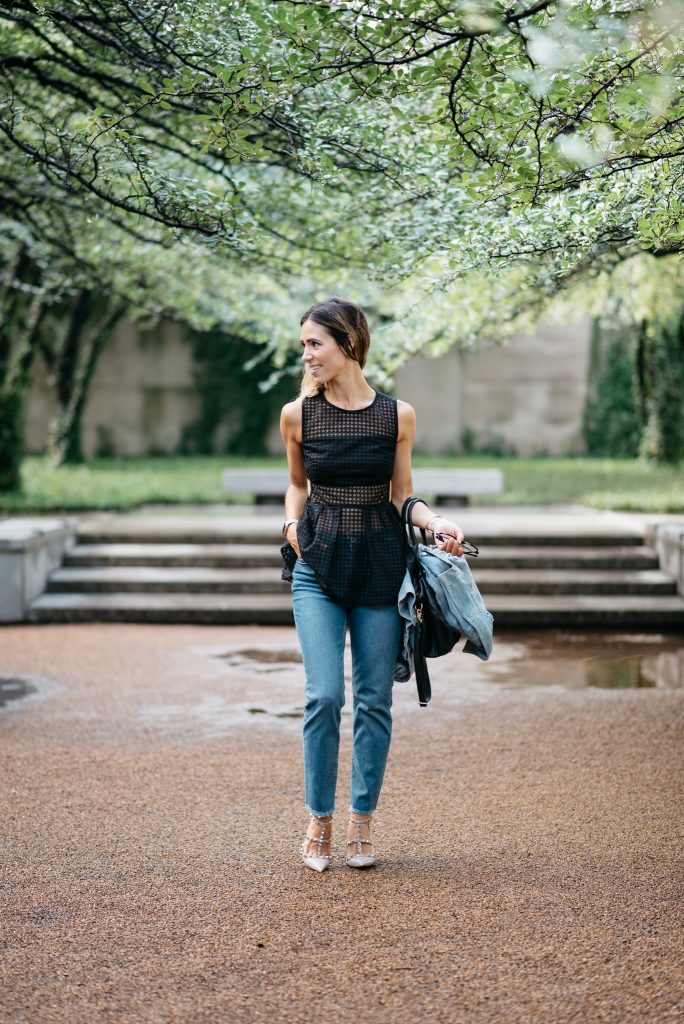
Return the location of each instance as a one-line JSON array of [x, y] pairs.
[[452, 534]]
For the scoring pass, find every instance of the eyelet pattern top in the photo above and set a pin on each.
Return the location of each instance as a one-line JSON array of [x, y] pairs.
[[350, 532]]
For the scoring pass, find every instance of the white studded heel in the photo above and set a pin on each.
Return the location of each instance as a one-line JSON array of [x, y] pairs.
[[357, 858], [320, 861]]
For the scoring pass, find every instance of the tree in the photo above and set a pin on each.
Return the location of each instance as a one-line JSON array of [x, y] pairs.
[[612, 425], [636, 368], [377, 132], [81, 326], [65, 308], [413, 148], [26, 292], [662, 379]]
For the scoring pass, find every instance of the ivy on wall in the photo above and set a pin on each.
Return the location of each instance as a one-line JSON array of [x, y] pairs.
[[663, 386], [235, 415], [635, 389], [612, 419]]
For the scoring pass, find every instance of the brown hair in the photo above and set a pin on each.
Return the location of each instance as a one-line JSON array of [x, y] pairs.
[[347, 324]]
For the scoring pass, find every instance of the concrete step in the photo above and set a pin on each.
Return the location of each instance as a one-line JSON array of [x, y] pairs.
[[161, 534], [200, 579], [266, 531], [260, 555], [208, 609], [588, 611], [633, 612], [566, 568], [210, 555], [166, 579], [555, 581], [615, 559]]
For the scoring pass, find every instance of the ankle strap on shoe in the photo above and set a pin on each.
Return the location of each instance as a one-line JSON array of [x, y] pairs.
[[324, 835], [357, 823]]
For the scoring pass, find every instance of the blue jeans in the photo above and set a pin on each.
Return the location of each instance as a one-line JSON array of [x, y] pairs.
[[374, 634]]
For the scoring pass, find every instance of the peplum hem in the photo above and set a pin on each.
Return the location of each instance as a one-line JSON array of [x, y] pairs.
[[357, 552]]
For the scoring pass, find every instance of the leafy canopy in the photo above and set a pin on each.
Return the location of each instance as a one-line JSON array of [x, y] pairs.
[[400, 142]]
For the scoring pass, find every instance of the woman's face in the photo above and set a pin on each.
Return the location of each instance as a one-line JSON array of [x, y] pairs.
[[322, 355]]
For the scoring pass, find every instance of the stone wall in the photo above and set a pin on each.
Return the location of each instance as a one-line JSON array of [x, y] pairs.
[[525, 397], [141, 395]]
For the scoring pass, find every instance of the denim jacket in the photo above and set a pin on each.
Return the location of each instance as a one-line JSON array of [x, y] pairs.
[[452, 583]]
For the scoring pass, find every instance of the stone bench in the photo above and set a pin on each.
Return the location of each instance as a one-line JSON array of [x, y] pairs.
[[444, 486], [30, 549]]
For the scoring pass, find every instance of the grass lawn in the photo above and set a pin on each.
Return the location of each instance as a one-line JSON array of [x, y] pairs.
[[126, 483]]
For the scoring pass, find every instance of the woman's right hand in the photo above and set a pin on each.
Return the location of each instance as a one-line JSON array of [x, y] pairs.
[[291, 536]]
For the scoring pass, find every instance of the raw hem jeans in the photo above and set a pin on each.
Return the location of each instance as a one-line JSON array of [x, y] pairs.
[[374, 634]]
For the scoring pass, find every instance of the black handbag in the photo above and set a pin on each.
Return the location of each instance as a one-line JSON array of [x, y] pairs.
[[289, 557], [433, 636]]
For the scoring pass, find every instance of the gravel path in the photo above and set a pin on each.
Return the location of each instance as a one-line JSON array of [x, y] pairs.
[[152, 813]]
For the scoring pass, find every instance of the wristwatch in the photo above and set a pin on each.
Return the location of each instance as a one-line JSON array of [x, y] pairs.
[[287, 524]]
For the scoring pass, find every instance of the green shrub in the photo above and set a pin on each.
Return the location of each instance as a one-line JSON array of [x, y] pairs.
[[612, 417], [668, 397], [635, 391], [235, 415]]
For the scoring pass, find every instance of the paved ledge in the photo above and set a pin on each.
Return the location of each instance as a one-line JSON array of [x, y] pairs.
[[224, 523], [24, 534], [668, 541], [30, 549]]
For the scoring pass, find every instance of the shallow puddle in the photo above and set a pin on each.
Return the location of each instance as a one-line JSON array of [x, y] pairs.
[[14, 688], [297, 713], [577, 660], [267, 656], [618, 673], [262, 687], [549, 658], [264, 661]]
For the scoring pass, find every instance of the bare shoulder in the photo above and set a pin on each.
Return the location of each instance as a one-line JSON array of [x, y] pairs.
[[291, 418], [406, 415], [405, 410], [292, 412]]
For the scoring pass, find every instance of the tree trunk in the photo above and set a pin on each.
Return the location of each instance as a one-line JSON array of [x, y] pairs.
[[74, 365], [73, 450], [21, 316], [11, 440]]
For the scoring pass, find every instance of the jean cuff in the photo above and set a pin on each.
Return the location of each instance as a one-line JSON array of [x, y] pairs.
[[320, 814]]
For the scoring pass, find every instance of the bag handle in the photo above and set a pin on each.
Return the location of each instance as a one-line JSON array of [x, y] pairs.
[[407, 520], [413, 563]]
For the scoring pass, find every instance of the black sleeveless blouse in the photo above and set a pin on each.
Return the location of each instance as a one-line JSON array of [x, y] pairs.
[[350, 532]]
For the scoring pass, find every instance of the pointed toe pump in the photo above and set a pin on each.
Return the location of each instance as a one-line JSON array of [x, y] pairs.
[[360, 852], [319, 861]]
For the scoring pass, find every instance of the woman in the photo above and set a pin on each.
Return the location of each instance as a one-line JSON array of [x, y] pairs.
[[352, 445]]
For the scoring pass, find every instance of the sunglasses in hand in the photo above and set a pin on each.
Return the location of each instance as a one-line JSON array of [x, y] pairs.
[[468, 548]]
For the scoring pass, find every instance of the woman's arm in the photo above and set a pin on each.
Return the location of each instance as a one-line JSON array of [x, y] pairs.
[[297, 491], [402, 486]]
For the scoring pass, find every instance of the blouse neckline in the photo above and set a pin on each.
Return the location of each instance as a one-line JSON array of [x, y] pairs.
[[364, 408]]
